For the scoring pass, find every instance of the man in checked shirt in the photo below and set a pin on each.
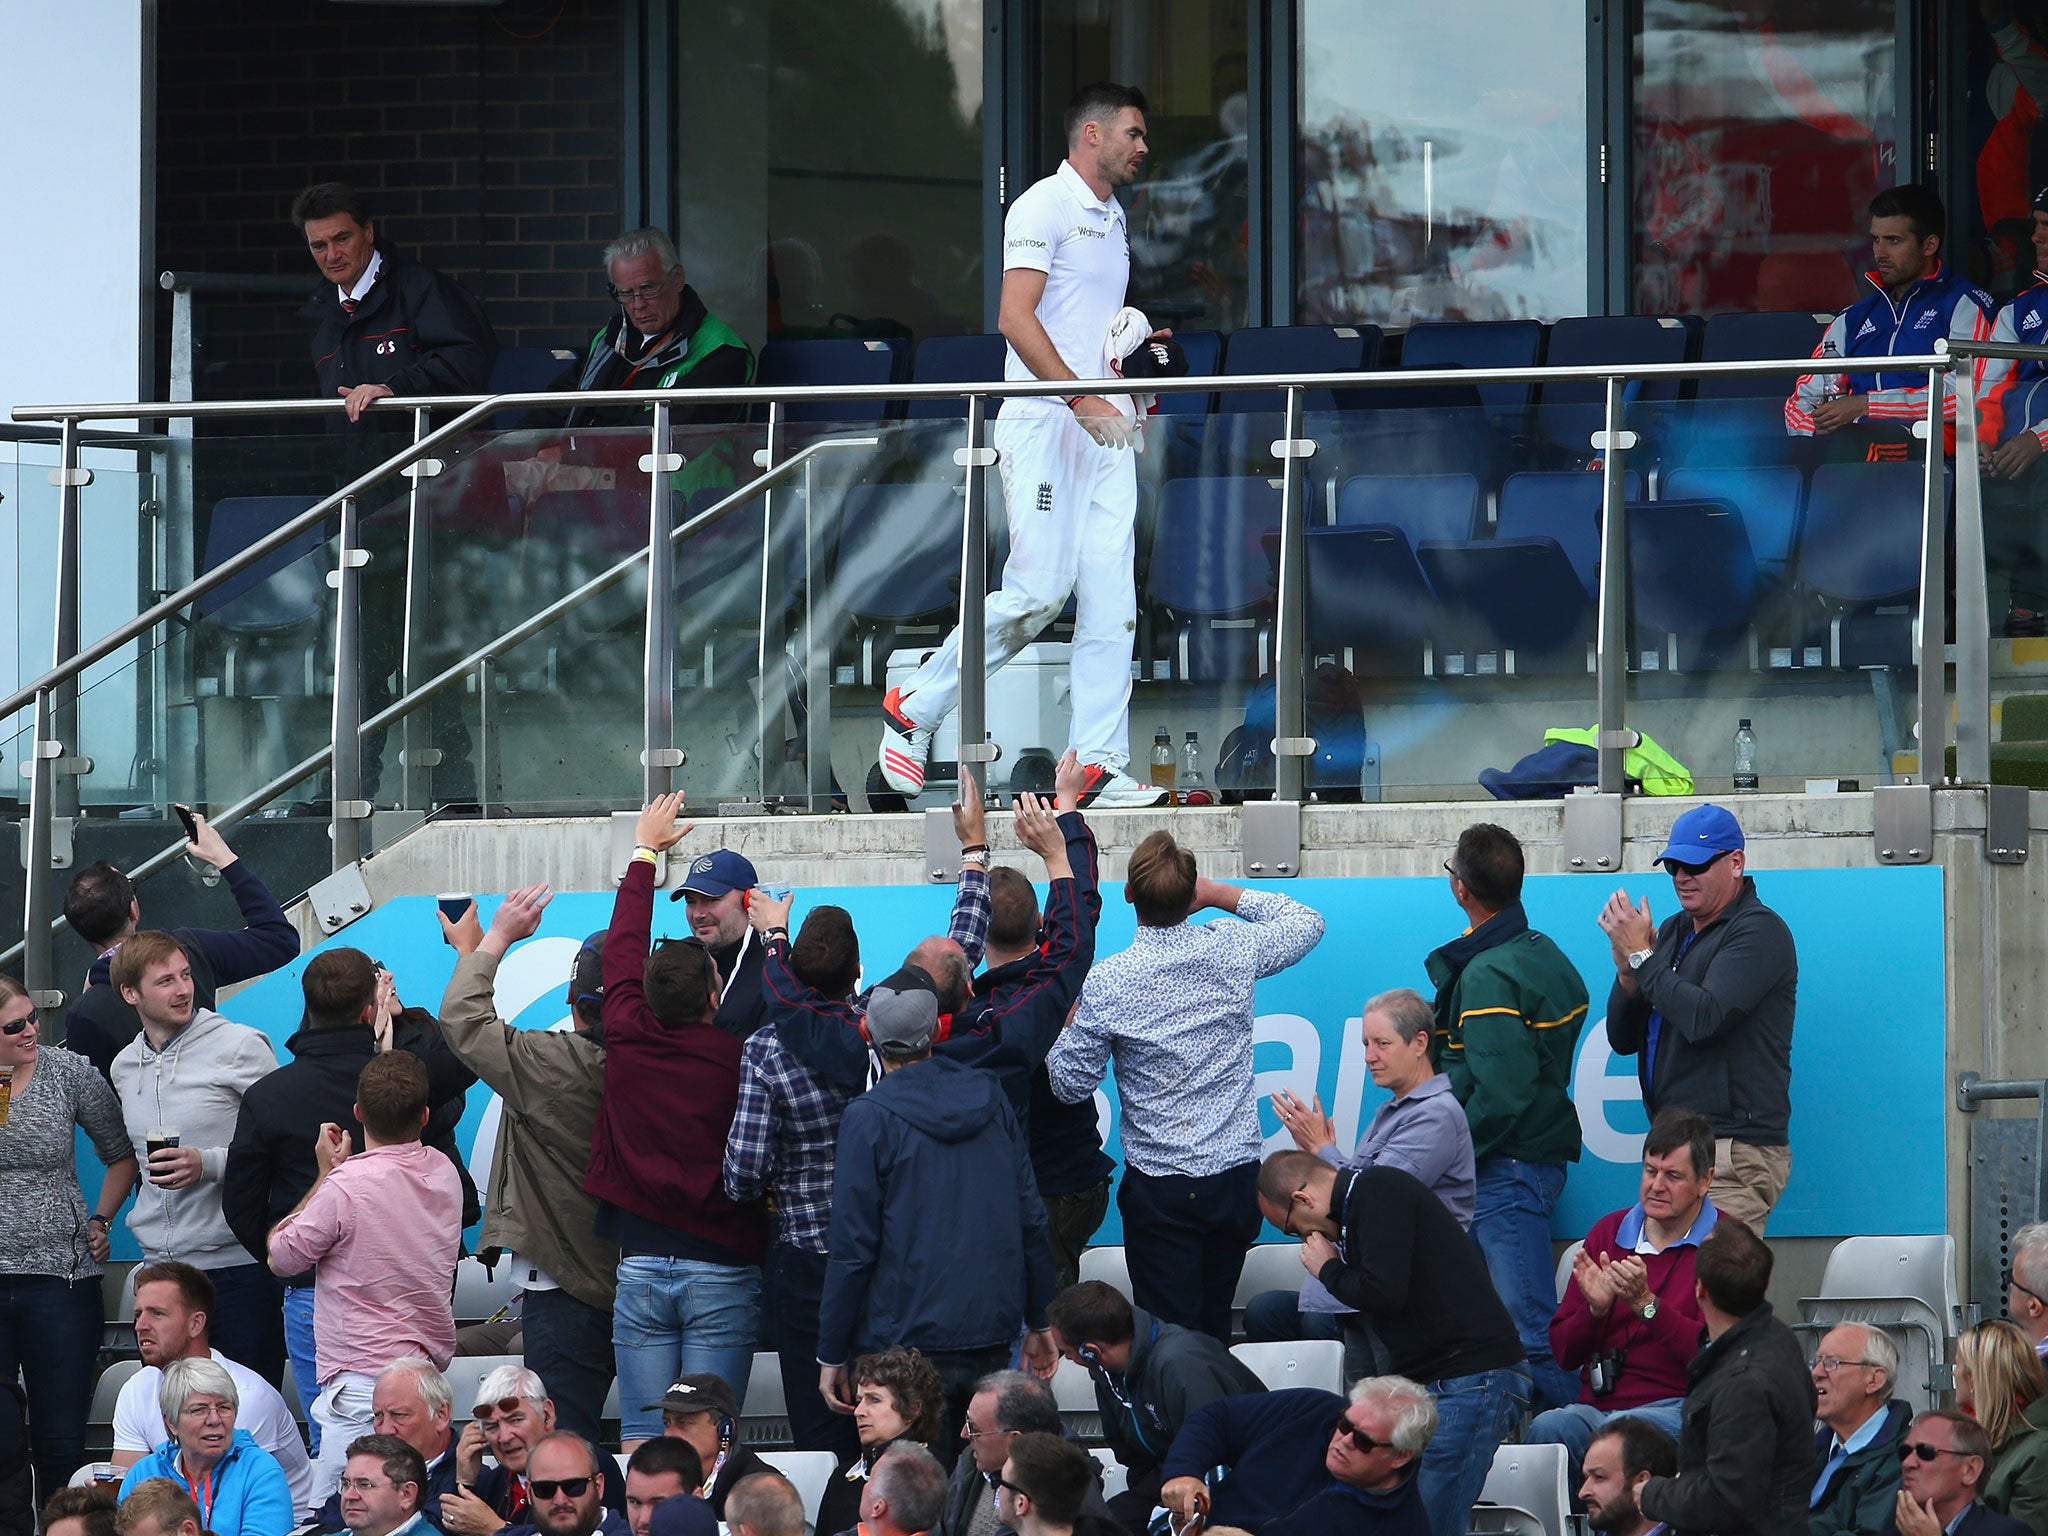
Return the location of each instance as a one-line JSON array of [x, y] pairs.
[[1174, 1012], [785, 1130]]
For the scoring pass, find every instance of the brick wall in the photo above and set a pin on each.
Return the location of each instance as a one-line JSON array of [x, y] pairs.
[[486, 141]]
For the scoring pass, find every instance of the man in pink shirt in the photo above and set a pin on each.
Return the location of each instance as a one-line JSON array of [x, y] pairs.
[[381, 1231]]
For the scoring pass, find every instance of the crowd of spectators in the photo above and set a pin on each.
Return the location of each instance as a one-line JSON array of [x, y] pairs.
[[736, 1146]]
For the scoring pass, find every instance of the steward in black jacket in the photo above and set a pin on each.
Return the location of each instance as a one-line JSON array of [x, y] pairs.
[[417, 331]]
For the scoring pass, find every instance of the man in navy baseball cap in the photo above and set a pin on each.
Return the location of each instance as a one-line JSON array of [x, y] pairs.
[[1704, 1001], [715, 892]]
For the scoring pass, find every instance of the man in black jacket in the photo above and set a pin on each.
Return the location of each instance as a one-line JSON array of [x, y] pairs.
[[715, 893], [1745, 1451], [1149, 1377], [1706, 1003], [663, 338], [271, 1164], [102, 909]]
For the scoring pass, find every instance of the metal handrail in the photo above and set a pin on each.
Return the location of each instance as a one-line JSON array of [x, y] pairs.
[[811, 394]]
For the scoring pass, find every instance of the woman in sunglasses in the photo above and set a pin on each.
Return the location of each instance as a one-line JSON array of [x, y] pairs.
[[50, 1248], [2000, 1384]]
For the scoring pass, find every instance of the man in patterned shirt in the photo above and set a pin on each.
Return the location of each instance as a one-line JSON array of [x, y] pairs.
[[785, 1130], [1174, 1011]]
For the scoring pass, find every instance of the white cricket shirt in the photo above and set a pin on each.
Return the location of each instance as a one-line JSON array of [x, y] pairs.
[[1059, 227]]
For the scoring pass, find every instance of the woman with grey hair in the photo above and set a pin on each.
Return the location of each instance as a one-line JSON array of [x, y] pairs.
[[239, 1487]]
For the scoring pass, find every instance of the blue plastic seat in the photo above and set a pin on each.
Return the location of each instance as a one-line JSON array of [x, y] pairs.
[[1205, 356], [1294, 349], [1563, 505], [1405, 431], [1367, 600], [1480, 344], [827, 360], [1421, 506], [529, 371], [1572, 411], [1860, 559], [1519, 598], [955, 360], [1771, 499], [1739, 419], [1693, 583], [1209, 575]]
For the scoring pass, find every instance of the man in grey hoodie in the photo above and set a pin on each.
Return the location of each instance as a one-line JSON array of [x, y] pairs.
[[185, 1074]]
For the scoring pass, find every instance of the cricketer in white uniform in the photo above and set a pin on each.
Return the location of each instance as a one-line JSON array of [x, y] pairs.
[[1070, 482]]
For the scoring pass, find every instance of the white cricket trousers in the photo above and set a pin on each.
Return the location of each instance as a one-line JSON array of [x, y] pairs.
[[1072, 506]]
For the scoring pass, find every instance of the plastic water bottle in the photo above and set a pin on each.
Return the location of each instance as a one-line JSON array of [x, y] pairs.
[[1162, 763], [1745, 758], [1194, 789]]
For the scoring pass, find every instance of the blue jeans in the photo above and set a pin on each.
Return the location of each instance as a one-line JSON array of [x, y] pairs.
[[1574, 1427], [568, 1346], [248, 1321], [1274, 1317], [298, 1343], [50, 1333], [1511, 1224], [677, 1317], [1474, 1415]]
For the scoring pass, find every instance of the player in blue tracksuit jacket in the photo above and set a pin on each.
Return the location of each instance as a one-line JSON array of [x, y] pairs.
[[1915, 301], [2013, 404]]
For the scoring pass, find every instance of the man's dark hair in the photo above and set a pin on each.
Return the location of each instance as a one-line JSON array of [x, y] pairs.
[[392, 1094], [1159, 881], [1674, 1128], [325, 199], [1013, 910], [1915, 202], [1644, 1447], [339, 984], [92, 1504], [1734, 1267], [1092, 1312], [195, 1286], [402, 1463], [826, 954], [1024, 1404], [665, 1453], [1489, 861], [97, 904], [679, 979], [1100, 102], [1970, 1437], [1054, 1473]]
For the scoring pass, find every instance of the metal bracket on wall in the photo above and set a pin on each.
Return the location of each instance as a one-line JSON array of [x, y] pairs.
[[1271, 831], [1902, 823], [1592, 834], [340, 899], [941, 847], [60, 844], [2006, 823]]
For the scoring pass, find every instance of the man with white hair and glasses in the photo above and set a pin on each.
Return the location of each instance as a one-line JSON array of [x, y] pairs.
[[1306, 1462], [512, 1415], [2026, 1284], [662, 338]]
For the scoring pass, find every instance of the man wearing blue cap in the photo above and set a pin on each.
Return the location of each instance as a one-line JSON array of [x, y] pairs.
[[716, 893], [1705, 1002]]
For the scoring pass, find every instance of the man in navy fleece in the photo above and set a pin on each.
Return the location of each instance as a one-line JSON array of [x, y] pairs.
[[1306, 1463], [102, 909]]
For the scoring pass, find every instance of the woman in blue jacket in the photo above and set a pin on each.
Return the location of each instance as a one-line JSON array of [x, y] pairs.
[[239, 1486]]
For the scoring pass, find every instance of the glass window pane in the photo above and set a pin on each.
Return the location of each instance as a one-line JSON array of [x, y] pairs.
[[1443, 161], [1187, 212], [1761, 133], [829, 168]]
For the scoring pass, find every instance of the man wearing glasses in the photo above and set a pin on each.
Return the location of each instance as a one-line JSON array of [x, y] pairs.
[[1044, 1485], [662, 338], [1862, 1427], [381, 1488], [2026, 1284], [1306, 1462], [1705, 1003], [568, 1484]]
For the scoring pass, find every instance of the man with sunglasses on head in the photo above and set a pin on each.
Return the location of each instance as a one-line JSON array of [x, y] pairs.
[[510, 1417], [662, 338], [1306, 1462], [1705, 1002], [538, 1220]]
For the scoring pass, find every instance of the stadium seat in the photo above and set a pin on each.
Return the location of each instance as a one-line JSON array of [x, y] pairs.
[[811, 1472], [479, 1294], [529, 371], [1480, 344], [1571, 412], [106, 1392], [1294, 349], [1205, 356], [466, 1373], [1107, 1264], [1296, 1363], [1859, 559], [954, 360], [1564, 1267], [1692, 585], [1268, 1267], [764, 1407], [1405, 430], [827, 360], [1073, 1388], [1114, 1476], [1515, 600], [1907, 1287], [1771, 499], [1531, 1478], [1421, 506], [1368, 602], [265, 617], [898, 569], [1739, 418], [1209, 576], [1563, 505]]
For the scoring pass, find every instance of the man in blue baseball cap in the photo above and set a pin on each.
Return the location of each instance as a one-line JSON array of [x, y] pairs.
[[716, 892], [1705, 1004]]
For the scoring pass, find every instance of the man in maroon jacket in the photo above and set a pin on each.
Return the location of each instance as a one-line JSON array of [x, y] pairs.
[[1629, 1322], [689, 1258]]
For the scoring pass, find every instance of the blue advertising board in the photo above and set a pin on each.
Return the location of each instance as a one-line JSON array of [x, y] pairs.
[[1867, 1052]]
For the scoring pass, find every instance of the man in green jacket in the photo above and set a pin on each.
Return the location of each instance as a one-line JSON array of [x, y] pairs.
[[1509, 1007]]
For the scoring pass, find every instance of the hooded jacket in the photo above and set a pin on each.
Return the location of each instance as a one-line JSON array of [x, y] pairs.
[[1172, 1372], [938, 1239], [195, 1084], [249, 1495], [1858, 1500]]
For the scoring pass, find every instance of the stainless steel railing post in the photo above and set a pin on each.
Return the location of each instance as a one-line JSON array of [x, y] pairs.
[[71, 480], [1973, 609], [349, 813], [1932, 680], [38, 970], [1611, 647], [769, 720], [976, 750], [659, 757], [417, 755], [1292, 747]]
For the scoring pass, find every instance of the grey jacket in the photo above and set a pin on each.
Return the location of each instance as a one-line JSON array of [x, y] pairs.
[[550, 1082], [1724, 1048]]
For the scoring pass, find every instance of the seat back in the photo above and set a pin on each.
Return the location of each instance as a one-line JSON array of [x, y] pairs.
[[1108, 1265], [1691, 570], [1564, 1268], [1268, 1267], [1073, 1388], [1296, 1363], [1535, 1478], [808, 362], [1563, 505], [764, 1406], [1862, 537], [1207, 554], [899, 551], [529, 371], [1921, 1267], [1421, 506], [1114, 1476], [1479, 344], [1365, 589], [1205, 356], [1771, 499], [810, 1472], [1769, 334], [1293, 349], [1572, 411], [280, 592], [106, 1392], [954, 360], [1519, 595]]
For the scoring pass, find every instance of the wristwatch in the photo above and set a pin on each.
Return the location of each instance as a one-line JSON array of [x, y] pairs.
[[1648, 1311], [1635, 961]]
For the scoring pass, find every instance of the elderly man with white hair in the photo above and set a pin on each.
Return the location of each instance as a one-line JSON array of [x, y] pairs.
[[239, 1487], [2026, 1284], [511, 1415], [662, 338], [1862, 1430], [414, 1402], [1306, 1462]]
